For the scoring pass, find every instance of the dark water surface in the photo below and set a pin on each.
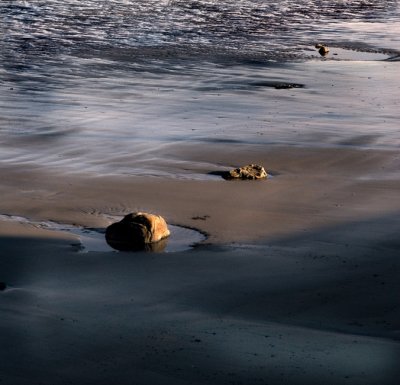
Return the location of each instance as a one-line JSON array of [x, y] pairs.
[[241, 30], [109, 86]]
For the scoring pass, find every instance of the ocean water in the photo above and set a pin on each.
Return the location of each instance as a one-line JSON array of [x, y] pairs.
[[118, 86]]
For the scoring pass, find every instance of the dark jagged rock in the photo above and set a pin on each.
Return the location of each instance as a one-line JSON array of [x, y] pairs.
[[3, 286]]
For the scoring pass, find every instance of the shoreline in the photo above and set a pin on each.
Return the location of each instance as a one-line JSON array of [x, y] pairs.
[[144, 127]]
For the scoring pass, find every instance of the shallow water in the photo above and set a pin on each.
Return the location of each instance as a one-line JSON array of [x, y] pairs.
[[116, 87], [93, 240]]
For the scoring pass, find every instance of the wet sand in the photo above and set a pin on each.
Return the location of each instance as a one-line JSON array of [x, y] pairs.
[[297, 282], [119, 106]]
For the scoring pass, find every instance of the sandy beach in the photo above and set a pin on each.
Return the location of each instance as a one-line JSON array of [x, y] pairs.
[[109, 108], [297, 282]]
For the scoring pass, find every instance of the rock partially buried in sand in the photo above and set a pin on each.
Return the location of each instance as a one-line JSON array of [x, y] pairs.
[[322, 49], [138, 231], [251, 171], [3, 286]]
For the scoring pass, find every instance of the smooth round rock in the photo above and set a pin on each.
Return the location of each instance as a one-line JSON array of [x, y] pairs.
[[138, 231], [322, 49]]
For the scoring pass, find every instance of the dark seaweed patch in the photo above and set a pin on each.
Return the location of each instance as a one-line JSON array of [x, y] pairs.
[[277, 85]]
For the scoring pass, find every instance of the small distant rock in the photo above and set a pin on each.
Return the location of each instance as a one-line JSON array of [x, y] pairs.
[[322, 49], [3, 286], [137, 231], [251, 171], [288, 86]]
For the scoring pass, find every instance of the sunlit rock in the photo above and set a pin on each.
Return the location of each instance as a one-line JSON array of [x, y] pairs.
[[322, 49], [251, 171], [138, 231]]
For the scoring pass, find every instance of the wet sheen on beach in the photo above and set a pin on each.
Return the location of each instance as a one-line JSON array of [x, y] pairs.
[[109, 87]]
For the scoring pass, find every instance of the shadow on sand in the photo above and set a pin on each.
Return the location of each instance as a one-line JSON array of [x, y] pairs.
[[312, 308]]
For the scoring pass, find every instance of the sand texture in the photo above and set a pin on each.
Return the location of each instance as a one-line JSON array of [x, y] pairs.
[[114, 107], [297, 282]]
